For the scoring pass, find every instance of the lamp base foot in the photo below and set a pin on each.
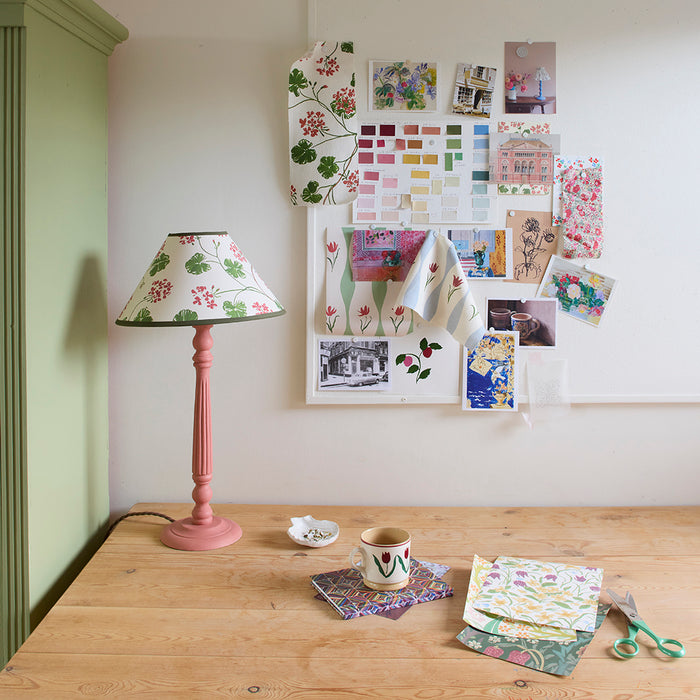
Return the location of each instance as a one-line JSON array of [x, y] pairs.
[[185, 534]]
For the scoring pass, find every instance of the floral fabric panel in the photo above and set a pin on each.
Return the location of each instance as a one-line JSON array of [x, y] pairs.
[[558, 658], [544, 593], [380, 255], [494, 624], [582, 212], [561, 165], [323, 126], [359, 307], [436, 288]]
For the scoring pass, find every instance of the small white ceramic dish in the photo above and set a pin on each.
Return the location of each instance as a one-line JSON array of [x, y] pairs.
[[313, 533]]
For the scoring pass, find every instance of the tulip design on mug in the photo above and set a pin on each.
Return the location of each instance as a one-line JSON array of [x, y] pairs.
[[383, 566]]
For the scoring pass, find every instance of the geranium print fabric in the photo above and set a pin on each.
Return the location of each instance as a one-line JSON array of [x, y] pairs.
[[323, 126]]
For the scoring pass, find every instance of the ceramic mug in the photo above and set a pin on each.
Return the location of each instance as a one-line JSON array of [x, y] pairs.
[[386, 555], [524, 324], [499, 319]]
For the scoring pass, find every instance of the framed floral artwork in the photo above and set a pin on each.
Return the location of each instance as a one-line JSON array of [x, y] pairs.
[[580, 292]]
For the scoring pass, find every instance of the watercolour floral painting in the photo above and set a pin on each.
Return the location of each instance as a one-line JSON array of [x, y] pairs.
[[323, 126], [403, 85], [580, 293]]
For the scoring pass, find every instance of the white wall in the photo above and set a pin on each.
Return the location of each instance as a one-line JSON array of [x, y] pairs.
[[198, 141]]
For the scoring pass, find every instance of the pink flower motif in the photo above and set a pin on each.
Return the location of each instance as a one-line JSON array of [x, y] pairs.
[[364, 311], [159, 290], [493, 651], [433, 267], [518, 657], [352, 181], [261, 308], [235, 250], [343, 102], [327, 66], [203, 296], [332, 247], [330, 311], [314, 124], [186, 240], [386, 557], [399, 310]]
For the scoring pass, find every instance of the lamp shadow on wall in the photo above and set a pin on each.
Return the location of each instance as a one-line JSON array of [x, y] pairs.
[[85, 344]]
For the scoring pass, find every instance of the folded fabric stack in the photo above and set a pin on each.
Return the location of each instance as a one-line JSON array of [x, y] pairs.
[[348, 596], [537, 614]]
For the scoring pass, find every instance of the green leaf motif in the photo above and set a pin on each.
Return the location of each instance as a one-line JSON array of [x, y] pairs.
[[185, 315], [303, 152], [328, 167], [423, 343], [196, 265], [159, 263], [143, 316], [311, 194], [236, 310], [435, 346], [400, 359], [413, 368], [235, 269], [297, 82], [346, 47], [424, 374]]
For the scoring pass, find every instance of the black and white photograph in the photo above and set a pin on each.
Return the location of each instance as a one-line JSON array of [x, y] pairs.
[[354, 364]]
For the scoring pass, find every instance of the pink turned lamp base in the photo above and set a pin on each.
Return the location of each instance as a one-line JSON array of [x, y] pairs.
[[185, 534]]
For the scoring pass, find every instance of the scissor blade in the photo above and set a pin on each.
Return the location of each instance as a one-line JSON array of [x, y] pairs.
[[626, 604]]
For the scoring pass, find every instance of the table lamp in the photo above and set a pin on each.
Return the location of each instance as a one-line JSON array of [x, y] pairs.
[[541, 74], [199, 279]]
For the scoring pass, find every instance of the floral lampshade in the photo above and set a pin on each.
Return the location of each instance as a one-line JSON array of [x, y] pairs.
[[197, 279], [542, 74]]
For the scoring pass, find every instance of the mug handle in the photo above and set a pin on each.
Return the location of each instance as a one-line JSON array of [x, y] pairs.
[[351, 558], [535, 325]]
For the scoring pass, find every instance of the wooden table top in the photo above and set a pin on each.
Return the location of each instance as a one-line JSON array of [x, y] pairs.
[[143, 620]]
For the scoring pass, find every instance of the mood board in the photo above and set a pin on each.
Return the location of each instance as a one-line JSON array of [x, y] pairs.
[[476, 196]]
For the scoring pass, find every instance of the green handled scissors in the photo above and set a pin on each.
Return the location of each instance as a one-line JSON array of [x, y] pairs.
[[635, 623]]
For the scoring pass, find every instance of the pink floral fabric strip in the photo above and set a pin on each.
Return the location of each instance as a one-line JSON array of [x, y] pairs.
[[582, 212], [323, 126]]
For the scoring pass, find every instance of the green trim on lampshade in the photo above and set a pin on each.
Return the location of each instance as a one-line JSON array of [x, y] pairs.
[[14, 528], [197, 322]]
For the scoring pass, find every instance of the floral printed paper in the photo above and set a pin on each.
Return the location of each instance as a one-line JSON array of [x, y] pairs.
[[558, 658], [359, 307], [544, 593], [580, 293], [323, 126], [495, 624], [582, 212]]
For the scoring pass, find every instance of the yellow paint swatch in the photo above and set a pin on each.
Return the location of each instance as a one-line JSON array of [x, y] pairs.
[[420, 219], [405, 201], [420, 206], [419, 189], [411, 159], [437, 186], [420, 174], [430, 159]]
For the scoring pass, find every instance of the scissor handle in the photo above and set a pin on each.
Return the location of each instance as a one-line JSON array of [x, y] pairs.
[[663, 646], [628, 642]]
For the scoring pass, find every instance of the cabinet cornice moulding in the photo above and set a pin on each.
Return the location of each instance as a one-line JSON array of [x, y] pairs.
[[82, 18]]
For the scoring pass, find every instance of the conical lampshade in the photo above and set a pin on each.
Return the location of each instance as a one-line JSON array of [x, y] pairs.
[[199, 278]]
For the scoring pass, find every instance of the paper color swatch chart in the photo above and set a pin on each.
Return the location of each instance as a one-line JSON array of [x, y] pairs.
[[419, 174]]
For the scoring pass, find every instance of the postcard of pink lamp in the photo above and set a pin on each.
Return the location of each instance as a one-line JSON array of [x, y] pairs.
[[198, 280]]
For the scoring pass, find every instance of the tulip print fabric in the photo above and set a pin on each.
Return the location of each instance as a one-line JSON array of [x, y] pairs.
[[359, 307], [323, 126], [557, 658], [543, 593], [494, 624], [436, 288]]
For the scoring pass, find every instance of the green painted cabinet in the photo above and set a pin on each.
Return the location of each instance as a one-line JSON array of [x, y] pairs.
[[54, 501]]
